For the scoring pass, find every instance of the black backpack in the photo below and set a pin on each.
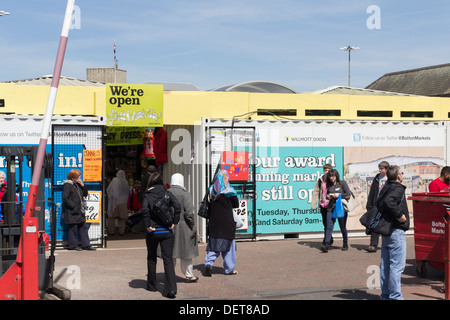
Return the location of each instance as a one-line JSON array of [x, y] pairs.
[[163, 210]]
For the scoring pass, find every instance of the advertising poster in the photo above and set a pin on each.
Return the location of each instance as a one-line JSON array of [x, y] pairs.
[[134, 105], [289, 160]]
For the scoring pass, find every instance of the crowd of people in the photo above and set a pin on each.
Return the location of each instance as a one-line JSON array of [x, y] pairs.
[[179, 239], [387, 193]]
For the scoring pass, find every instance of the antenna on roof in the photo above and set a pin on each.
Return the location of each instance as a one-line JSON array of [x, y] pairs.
[[116, 64]]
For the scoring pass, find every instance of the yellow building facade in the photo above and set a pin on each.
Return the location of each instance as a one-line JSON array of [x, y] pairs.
[[187, 107]]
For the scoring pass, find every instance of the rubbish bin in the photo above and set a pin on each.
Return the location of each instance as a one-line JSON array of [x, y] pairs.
[[429, 230]]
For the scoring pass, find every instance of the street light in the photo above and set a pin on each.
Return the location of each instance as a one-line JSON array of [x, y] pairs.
[[349, 49], [3, 13]]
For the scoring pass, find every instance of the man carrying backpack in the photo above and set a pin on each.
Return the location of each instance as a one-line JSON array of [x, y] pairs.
[[158, 208]]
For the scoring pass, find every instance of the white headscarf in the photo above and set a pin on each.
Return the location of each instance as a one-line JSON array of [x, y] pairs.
[[177, 179], [118, 191]]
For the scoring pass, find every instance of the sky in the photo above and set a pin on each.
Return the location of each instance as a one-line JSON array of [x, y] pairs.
[[211, 43]]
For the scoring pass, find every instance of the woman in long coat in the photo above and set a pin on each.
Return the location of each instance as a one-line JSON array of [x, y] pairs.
[[222, 227], [74, 211], [185, 233]]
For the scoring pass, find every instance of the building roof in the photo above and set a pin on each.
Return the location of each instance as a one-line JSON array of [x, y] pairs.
[[63, 81], [176, 86], [256, 86], [354, 91], [433, 81]]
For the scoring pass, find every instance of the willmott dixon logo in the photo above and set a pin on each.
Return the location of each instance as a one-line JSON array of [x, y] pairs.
[[287, 138]]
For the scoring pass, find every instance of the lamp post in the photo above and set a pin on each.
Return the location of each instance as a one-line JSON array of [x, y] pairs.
[[3, 13], [349, 49]]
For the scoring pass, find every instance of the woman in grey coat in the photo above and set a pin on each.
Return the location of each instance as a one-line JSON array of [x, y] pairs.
[[185, 233]]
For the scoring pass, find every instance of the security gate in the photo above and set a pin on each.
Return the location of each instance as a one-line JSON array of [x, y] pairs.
[[83, 148], [233, 149]]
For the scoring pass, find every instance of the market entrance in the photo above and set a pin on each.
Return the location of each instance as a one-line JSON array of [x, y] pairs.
[[138, 152]]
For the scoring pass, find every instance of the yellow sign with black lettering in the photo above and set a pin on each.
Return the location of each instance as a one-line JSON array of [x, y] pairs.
[[134, 105]]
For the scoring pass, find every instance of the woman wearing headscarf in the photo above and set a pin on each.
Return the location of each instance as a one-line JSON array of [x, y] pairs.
[[74, 211], [185, 233], [222, 227], [118, 192]]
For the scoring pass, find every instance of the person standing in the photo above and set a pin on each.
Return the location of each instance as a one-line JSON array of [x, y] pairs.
[[74, 213], [335, 186], [319, 196], [185, 232], [222, 227], [159, 234], [377, 184], [118, 192], [442, 183], [393, 247]]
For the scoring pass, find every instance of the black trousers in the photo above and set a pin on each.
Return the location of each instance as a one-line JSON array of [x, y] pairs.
[[73, 230], [166, 241]]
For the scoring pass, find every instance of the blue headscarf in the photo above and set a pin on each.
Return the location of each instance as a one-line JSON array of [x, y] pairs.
[[220, 186]]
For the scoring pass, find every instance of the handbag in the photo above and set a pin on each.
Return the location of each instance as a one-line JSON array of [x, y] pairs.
[[376, 222], [203, 210], [338, 211]]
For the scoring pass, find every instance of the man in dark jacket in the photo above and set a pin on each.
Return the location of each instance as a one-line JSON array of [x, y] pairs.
[[393, 206], [377, 184]]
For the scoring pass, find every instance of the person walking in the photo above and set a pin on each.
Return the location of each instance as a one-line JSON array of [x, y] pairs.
[[118, 192], [319, 196], [185, 232], [393, 206], [335, 186], [159, 234], [377, 184], [74, 211], [222, 226]]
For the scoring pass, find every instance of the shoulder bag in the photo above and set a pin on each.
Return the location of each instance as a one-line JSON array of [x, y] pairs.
[[377, 222], [203, 210]]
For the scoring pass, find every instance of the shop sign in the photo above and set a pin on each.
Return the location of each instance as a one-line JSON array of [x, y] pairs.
[[93, 206], [92, 165], [236, 164], [134, 105], [119, 136]]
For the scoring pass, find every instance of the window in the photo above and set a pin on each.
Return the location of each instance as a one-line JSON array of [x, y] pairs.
[[416, 114], [278, 112], [366, 113], [322, 113]]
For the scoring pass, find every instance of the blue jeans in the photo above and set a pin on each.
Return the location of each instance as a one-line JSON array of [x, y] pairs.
[[329, 226], [393, 260]]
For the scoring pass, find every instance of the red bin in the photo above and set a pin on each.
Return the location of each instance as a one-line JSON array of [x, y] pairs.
[[430, 245]]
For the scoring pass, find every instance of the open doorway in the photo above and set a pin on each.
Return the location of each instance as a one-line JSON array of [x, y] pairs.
[[136, 151]]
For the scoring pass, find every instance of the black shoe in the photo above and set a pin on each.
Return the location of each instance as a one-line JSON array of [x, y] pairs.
[[171, 295], [89, 248], [371, 249], [344, 246], [76, 249], [324, 247], [208, 271]]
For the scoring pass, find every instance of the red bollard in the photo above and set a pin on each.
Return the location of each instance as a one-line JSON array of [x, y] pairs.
[[447, 256]]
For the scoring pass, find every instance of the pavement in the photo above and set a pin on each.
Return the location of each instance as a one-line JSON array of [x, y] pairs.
[[289, 269]]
